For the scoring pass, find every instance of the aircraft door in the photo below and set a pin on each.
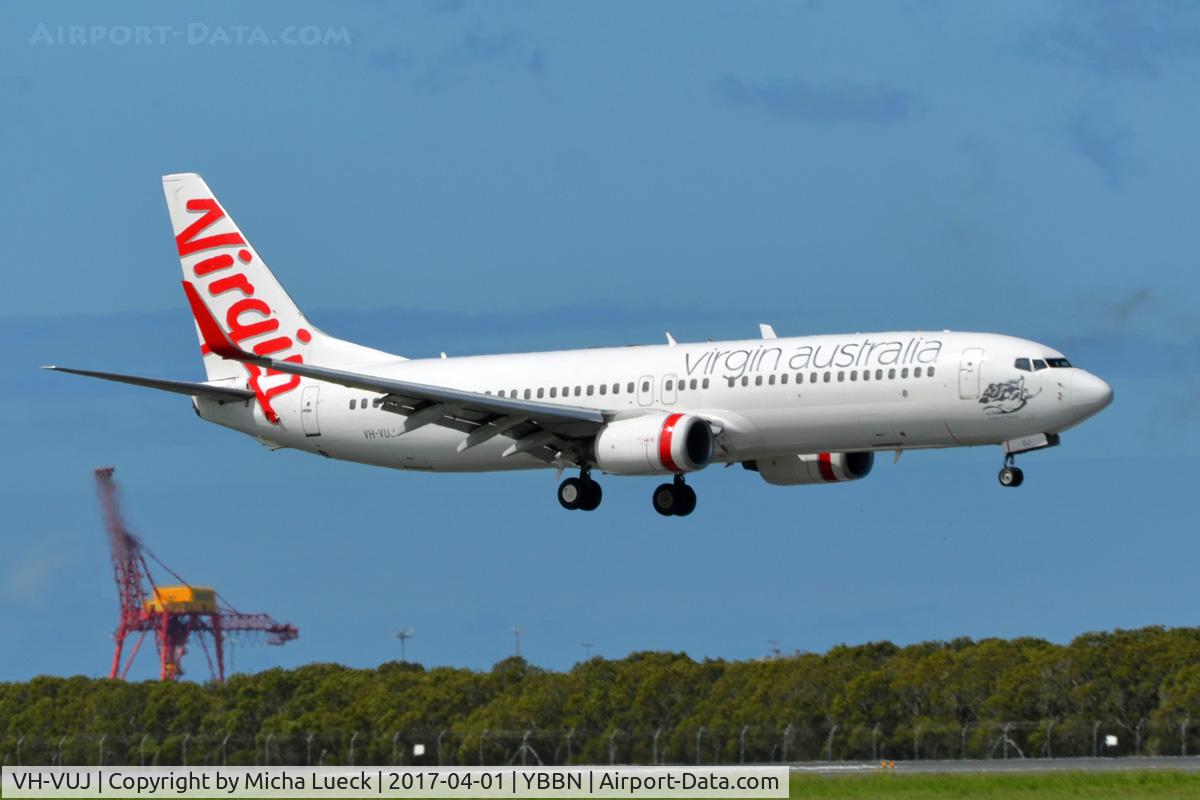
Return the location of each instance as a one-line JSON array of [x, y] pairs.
[[668, 390], [308, 410], [968, 373], [645, 390]]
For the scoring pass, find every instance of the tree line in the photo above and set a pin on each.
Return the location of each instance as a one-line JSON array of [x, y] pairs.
[[993, 698]]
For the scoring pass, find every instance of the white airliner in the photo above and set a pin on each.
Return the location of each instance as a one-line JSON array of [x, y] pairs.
[[812, 409]]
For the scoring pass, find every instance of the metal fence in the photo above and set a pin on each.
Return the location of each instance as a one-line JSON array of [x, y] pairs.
[[748, 743]]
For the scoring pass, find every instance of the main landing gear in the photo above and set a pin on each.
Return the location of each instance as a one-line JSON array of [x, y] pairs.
[[580, 493], [1011, 475], [674, 499]]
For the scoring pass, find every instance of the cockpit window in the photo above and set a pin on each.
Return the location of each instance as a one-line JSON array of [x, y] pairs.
[[1039, 364], [1058, 363], [1022, 364]]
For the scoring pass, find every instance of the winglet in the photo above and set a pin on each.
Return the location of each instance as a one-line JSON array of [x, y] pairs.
[[671, 339], [214, 338], [766, 331]]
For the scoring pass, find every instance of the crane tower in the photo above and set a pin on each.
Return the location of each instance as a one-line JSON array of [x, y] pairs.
[[175, 614]]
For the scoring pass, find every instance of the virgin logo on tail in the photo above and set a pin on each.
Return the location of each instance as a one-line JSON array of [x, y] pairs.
[[248, 318]]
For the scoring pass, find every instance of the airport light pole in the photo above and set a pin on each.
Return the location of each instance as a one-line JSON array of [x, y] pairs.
[[404, 634], [517, 636], [587, 650]]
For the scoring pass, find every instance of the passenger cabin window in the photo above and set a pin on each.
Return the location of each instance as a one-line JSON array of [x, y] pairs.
[[616, 388], [1022, 364], [1038, 364], [841, 376], [929, 372], [828, 376], [892, 374], [917, 372], [771, 379], [527, 394], [705, 384], [878, 374], [629, 387], [541, 393], [604, 388], [591, 389], [783, 379], [353, 404], [1057, 363], [645, 386], [693, 386], [904, 372], [853, 374], [758, 380], [670, 385], [578, 391], [745, 380]]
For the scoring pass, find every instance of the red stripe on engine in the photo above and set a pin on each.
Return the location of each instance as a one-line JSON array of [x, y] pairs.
[[664, 443], [825, 462]]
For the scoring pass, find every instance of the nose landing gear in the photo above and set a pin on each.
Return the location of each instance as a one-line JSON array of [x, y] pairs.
[[581, 493], [1010, 475], [675, 499]]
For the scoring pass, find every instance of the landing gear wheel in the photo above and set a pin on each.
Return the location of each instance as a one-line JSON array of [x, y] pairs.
[[571, 493], [665, 500], [686, 500], [1011, 477], [592, 494]]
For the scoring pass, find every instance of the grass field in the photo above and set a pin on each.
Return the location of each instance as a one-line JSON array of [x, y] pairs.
[[1045, 786]]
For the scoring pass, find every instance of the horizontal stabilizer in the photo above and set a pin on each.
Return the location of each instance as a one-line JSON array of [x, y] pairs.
[[223, 394]]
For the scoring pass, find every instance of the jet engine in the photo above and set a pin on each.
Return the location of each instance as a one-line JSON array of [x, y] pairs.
[[655, 444], [813, 468]]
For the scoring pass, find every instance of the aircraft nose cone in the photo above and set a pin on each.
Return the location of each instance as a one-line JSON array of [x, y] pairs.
[[1090, 392]]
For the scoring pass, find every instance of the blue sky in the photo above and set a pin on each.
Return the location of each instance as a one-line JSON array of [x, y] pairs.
[[492, 177]]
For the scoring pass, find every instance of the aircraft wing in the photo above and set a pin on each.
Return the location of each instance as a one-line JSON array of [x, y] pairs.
[[539, 429], [222, 394]]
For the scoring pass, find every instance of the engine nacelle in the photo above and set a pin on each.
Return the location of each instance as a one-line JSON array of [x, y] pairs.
[[813, 468], [655, 444]]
